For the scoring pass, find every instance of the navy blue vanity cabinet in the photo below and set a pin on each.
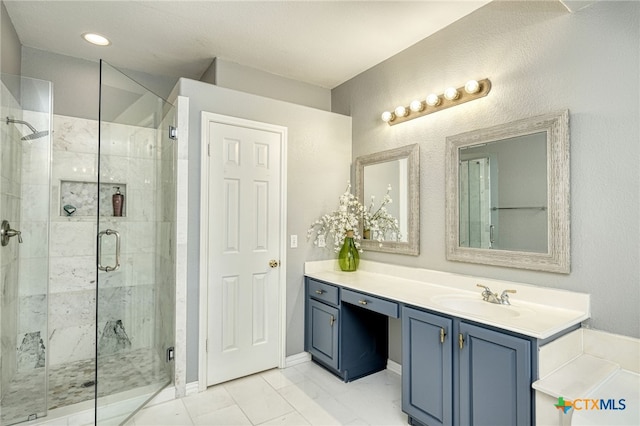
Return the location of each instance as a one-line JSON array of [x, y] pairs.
[[427, 367], [346, 331], [322, 321], [459, 373], [495, 377]]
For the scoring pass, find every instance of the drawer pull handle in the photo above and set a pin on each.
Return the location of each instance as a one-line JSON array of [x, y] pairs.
[[320, 291], [442, 335], [460, 340], [362, 302], [332, 320]]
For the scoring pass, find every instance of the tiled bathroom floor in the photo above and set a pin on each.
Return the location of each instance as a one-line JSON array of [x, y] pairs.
[[72, 383], [304, 394]]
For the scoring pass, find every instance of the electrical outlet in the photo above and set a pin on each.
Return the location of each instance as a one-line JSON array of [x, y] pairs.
[[321, 241], [294, 241]]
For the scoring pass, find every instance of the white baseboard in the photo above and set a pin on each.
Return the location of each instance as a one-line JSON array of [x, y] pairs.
[[292, 360], [394, 366], [191, 388]]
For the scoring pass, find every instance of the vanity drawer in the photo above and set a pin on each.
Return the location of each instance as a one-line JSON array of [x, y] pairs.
[[372, 303], [324, 292]]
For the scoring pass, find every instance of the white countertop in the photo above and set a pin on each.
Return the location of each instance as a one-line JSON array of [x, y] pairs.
[[536, 311]]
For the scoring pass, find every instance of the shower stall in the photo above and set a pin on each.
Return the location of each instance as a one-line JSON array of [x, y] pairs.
[[88, 291]]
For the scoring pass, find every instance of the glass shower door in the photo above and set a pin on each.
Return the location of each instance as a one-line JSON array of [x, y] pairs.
[[135, 261], [25, 158]]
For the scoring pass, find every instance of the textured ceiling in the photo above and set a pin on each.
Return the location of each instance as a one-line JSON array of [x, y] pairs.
[[321, 43]]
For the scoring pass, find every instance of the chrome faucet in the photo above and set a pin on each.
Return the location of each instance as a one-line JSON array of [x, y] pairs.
[[504, 297], [491, 297]]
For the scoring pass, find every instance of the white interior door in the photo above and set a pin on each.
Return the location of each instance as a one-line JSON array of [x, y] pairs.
[[243, 248]]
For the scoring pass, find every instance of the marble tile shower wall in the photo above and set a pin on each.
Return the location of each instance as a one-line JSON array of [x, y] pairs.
[[33, 259], [129, 156], [10, 158]]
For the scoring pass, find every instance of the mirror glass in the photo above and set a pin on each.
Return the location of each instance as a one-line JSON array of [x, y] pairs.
[[387, 184], [508, 194]]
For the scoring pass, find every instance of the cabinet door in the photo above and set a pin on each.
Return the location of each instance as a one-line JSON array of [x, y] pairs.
[[322, 333], [495, 378], [426, 367]]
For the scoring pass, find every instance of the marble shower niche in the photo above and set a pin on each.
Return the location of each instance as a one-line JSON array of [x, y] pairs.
[[81, 198]]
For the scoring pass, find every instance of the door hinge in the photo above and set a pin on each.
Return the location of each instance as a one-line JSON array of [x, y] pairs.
[[173, 132], [170, 354]]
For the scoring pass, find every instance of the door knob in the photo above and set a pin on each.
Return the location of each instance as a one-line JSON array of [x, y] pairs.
[[274, 263]]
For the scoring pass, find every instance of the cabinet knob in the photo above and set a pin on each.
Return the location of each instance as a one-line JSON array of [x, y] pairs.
[[332, 320], [460, 340], [362, 302], [442, 335], [319, 291]]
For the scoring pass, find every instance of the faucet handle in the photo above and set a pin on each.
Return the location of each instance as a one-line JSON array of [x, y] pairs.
[[483, 286], [504, 297], [486, 293]]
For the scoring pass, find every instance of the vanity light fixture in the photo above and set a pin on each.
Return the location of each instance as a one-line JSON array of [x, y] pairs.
[[96, 39], [452, 96]]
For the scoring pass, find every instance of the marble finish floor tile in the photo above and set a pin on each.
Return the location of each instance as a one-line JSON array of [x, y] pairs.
[[74, 382], [305, 394]]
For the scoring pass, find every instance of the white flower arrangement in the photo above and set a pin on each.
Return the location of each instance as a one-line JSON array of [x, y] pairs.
[[381, 224], [353, 216], [335, 225]]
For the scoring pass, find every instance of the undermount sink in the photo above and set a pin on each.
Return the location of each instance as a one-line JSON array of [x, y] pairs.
[[474, 305]]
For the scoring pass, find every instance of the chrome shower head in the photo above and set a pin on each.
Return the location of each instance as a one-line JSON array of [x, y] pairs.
[[35, 134]]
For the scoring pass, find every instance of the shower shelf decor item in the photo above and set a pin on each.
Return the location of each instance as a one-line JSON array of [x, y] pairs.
[[79, 198]]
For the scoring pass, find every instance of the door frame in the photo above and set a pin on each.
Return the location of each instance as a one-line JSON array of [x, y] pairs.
[[207, 117]]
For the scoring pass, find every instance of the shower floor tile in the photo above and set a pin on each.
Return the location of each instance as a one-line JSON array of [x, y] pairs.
[[75, 382]]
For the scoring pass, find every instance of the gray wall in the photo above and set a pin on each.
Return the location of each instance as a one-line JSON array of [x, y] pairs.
[[540, 58], [228, 74], [9, 44], [318, 159]]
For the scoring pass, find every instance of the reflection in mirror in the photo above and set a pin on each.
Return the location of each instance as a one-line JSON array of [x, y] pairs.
[[387, 183], [503, 194], [385, 193], [508, 194]]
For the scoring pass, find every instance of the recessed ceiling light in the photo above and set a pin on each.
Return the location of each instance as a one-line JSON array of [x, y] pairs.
[[96, 39]]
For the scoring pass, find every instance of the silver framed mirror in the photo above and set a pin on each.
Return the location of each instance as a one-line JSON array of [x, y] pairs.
[[507, 195], [394, 175]]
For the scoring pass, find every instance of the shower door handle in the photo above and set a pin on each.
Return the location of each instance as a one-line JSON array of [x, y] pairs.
[[117, 265]]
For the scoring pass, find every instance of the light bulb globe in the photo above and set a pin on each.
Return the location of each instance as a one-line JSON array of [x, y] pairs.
[[433, 100], [416, 106], [472, 87], [387, 116], [400, 111], [451, 93]]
